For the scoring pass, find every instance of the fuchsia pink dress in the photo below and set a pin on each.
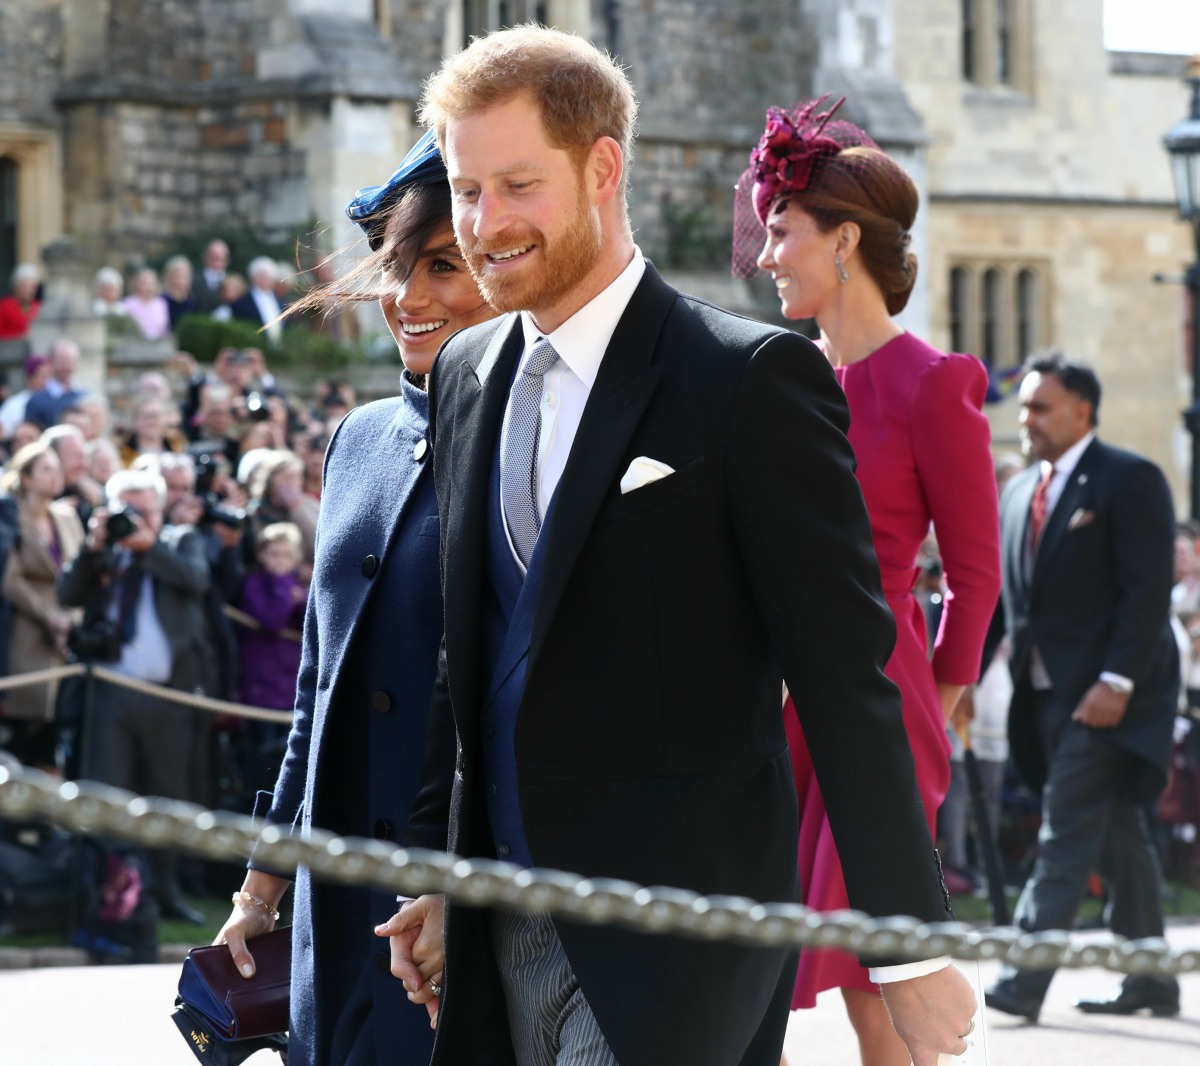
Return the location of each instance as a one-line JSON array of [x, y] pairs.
[[923, 449]]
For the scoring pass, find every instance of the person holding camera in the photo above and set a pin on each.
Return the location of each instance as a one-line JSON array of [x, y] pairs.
[[142, 585]]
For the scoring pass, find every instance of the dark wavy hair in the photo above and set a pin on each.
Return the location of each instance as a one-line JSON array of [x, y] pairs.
[[396, 237]]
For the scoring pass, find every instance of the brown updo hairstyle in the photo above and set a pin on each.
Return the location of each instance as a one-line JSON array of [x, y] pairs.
[[869, 188]]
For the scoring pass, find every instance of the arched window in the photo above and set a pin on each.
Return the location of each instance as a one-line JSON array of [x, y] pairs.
[[8, 220], [960, 298], [996, 43], [970, 70], [1027, 308], [991, 312], [483, 16]]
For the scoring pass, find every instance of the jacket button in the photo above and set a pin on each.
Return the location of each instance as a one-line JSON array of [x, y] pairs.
[[384, 830], [420, 449], [492, 789], [504, 851], [381, 701], [369, 565]]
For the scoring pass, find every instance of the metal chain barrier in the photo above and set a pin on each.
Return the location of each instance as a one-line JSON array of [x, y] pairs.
[[93, 809]]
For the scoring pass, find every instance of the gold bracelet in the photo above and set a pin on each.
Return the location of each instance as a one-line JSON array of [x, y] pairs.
[[244, 899]]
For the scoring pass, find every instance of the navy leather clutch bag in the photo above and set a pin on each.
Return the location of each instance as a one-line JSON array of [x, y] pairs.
[[226, 1017]]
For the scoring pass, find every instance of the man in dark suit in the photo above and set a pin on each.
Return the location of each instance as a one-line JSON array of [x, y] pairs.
[[260, 305], [206, 283], [648, 506], [1086, 541], [143, 591]]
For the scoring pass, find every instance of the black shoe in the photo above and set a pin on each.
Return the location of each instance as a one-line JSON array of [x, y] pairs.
[[1007, 996], [175, 906], [1160, 998]]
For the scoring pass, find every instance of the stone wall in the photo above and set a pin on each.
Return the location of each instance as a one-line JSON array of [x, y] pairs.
[[1104, 306], [143, 176], [30, 57]]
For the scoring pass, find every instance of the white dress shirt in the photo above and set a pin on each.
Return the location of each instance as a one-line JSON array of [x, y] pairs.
[[269, 310], [1064, 467], [147, 657], [580, 343]]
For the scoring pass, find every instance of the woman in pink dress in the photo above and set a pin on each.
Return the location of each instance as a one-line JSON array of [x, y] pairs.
[[838, 212]]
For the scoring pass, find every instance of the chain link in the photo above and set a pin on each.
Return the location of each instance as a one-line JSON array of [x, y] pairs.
[[97, 810]]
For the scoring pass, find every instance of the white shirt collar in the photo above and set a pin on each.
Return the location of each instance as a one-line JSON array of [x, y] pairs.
[[1065, 464], [582, 339]]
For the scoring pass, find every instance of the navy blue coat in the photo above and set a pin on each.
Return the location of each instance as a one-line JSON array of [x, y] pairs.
[[355, 751]]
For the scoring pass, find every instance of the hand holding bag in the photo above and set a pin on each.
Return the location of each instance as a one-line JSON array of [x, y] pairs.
[[226, 1017]]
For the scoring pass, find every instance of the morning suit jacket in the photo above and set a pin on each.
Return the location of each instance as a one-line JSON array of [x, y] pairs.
[[1097, 599], [650, 741], [354, 757]]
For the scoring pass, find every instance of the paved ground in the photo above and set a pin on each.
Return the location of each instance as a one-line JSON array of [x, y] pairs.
[[120, 1016]]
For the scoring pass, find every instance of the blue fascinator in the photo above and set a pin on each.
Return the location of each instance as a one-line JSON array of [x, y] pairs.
[[421, 166]]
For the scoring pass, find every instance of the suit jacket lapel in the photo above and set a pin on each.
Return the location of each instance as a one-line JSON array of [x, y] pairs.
[[1016, 520], [480, 396], [625, 382], [1073, 494]]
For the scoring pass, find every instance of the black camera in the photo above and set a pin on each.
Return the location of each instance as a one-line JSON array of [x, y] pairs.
[[256, 407], [99, 642], [120, 523], [215, 511]]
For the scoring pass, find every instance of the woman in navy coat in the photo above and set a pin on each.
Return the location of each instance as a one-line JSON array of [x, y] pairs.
[[371, 635]]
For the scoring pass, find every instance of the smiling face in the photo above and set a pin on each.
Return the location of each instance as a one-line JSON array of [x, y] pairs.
[[529, 230], [439, 298], [801, 260]]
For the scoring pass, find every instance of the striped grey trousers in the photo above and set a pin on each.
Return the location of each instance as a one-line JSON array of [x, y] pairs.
[[550, 1021]]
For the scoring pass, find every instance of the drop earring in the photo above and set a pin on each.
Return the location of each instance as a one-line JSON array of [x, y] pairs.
[[843, 277]]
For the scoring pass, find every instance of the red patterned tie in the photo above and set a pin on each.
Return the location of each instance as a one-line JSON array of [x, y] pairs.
[[1037, 509]]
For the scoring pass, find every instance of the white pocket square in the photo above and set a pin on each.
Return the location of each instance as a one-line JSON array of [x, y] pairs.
[[642, 471]]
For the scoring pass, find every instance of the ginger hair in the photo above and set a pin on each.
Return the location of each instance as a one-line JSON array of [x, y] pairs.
[[582, 92]]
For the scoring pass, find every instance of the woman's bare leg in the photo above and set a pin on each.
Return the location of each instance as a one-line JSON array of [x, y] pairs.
[[878, 1042]]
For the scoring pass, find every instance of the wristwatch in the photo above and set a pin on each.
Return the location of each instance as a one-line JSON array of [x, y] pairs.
[[1118, 685]]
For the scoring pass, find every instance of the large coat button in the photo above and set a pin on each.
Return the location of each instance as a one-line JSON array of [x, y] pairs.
[[381, 701], [504, 851], [420, 449], [369, 565], [384, 830]]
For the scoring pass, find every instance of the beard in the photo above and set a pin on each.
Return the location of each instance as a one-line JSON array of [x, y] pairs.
[[563, 262]]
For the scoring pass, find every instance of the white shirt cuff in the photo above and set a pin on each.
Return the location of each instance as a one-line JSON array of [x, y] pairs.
[[1120, 679], [906, 971]]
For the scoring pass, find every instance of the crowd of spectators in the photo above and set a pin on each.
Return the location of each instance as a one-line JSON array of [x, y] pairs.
[[169, 540]]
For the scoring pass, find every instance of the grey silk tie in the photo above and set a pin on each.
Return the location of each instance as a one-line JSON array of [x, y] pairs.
[[518, 484]]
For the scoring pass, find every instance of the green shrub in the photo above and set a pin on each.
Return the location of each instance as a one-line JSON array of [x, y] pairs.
[[203, 336], [304, 348]]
